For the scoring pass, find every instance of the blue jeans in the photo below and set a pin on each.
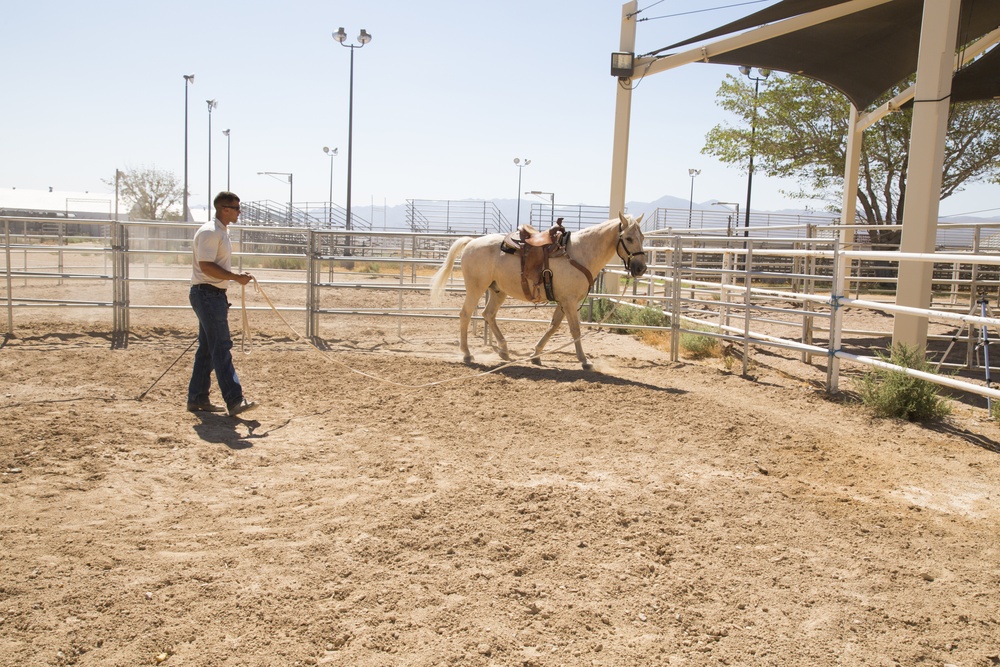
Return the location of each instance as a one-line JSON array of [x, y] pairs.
[[214, 348]]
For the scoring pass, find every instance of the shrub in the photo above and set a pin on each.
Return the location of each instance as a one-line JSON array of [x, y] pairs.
[[892, 393], [700, 346], [606, 313], [285, 263]]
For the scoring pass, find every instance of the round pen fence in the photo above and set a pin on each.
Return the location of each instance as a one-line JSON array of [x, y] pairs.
[[784, 287]]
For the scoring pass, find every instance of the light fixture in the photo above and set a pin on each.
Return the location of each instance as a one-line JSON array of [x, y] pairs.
[[622, 64]]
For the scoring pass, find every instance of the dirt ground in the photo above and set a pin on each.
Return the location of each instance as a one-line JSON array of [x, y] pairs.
[[649, 513]]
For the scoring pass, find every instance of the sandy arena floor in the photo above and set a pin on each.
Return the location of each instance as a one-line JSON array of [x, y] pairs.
[[651, 513]]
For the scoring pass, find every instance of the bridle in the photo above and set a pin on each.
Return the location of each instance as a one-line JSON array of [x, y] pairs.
[[627, 259]]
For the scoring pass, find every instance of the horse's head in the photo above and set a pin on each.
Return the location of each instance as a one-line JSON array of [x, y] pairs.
[[630, 241]]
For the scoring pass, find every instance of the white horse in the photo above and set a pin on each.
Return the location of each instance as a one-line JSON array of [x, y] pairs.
[[486, 268]]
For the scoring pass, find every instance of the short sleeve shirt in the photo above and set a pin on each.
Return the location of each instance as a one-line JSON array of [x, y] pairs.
[[211, 244]]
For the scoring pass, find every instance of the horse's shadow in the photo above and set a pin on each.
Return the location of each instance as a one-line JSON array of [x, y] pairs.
[[532, 372], [219, 428]]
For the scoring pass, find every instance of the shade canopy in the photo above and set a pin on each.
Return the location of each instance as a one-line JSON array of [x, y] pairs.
[[863, 54]]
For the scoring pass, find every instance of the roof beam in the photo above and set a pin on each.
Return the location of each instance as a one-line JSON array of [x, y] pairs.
[[655, 64]]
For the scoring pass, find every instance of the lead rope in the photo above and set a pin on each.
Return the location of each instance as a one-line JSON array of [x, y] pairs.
[[245, 346], [246, 340]]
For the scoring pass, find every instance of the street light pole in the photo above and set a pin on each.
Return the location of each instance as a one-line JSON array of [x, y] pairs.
[[188, 79], [228, 154], [211, 105], [332, 152], [764, 73], [521, 164], [552, 199], [363, 38], [692, 173], [290, 197], [729, 223]]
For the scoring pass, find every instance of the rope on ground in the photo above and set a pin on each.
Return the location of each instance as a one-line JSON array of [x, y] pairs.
[[245, 346]]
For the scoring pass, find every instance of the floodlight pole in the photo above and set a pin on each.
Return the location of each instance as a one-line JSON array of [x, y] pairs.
[[764, 73], [211, 105], [692, 173], [521, 164], [363, 38], [332, 152], [188, 79], [228, 162]]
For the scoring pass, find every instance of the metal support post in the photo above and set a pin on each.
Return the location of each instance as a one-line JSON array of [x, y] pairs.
[[675, 300], [311, 285], [836, 320], [984, 337], [10, 294], [747, 301]]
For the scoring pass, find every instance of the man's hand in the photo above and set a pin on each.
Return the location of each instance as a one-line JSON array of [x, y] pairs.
[[243, 278]]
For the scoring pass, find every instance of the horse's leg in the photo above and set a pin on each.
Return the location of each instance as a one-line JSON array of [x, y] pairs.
[[573, 320], [493, 303], [464, 317], [557, 317]]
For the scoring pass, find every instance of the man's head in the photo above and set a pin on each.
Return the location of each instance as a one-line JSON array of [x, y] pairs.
[[227, 207]]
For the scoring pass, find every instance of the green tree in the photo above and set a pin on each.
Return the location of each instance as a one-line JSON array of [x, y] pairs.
[[802, 127], [150, 192]]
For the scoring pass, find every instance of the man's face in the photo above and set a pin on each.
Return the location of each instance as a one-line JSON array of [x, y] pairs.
[[228, 213]]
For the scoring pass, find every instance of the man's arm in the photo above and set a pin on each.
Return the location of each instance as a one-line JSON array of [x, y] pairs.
[[215, 271]]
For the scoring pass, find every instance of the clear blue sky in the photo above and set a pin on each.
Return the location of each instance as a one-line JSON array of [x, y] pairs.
[[445, 96]]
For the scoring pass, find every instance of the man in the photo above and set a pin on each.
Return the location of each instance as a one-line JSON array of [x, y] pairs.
[[211, 274]]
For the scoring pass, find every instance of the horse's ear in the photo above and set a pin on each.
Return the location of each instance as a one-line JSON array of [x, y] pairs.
[[638, 220], [621, 216]]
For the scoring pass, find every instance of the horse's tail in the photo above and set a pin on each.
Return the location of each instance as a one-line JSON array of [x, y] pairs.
[[441, 276]]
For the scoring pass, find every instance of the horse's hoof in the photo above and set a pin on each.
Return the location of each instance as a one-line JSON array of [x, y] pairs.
[[588, 366], [504, 355], [467, 359], [536, 361]]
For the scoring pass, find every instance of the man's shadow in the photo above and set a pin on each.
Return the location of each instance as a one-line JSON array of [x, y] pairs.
[[221, 428]]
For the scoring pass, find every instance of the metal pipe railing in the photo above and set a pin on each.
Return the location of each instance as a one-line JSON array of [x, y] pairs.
[[694, 278]]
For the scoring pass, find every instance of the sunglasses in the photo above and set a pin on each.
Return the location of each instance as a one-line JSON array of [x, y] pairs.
[[235, 208]]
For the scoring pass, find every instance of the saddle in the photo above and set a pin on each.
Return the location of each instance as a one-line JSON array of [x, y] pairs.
[[535, 248]]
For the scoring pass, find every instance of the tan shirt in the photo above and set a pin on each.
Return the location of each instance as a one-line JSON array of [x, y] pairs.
[[211, 244]]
